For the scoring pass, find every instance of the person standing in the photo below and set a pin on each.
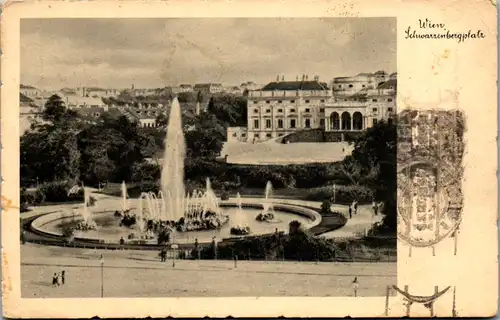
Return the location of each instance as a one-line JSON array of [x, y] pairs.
[[350, 212], [355, 286], [355, 204], [55, 280], [375, 208], [63, 277]]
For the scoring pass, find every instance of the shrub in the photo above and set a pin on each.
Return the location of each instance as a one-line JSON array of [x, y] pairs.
[[58, 192], [343, 194], [326, 207], [163, 236]]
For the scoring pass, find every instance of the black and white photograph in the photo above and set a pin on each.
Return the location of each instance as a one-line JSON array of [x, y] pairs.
[[208, 157]]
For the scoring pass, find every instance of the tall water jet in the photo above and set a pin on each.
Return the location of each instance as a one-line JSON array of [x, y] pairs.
[[172, 176], [267, 214], [86, 214], [238, 216], [87, 223], [239, 228], [268, 193], [124, 197]]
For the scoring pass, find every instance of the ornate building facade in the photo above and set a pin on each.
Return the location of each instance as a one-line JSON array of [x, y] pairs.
[[352, 105]]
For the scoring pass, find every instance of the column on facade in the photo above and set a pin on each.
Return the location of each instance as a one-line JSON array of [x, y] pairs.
[[352, 121]]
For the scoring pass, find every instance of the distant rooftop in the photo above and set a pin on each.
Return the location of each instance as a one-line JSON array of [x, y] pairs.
[[24, 99], [207, 85], [389, 84], [295, 85], [23, 86]]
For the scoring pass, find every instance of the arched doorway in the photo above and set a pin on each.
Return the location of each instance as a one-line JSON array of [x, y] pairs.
[[357, 121], [346, 121], [334, 121]]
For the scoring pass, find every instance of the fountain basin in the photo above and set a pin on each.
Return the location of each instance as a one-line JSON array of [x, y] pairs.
[[109, 231]]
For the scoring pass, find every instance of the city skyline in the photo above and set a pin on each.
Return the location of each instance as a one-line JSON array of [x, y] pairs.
[[152, 53]]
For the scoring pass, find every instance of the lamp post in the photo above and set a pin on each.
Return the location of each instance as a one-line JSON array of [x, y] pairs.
[[102, 275]]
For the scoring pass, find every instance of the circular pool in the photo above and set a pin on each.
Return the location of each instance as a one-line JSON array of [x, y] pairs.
[[109, 229]]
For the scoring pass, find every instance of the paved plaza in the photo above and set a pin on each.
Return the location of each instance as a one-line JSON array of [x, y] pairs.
[[140, 274]]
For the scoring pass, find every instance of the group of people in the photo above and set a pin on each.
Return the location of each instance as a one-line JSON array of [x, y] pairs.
[[353, 208], [59, 278]]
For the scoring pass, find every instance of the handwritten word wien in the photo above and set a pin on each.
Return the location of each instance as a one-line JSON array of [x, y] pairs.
[[429, 30]]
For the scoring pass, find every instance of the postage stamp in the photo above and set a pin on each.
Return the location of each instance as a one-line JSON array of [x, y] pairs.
[[430, 173]]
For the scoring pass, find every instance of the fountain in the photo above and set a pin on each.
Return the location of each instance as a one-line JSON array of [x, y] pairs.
[[87, 223], [124, 198], [267, 214], [172, 208], [238, 227]]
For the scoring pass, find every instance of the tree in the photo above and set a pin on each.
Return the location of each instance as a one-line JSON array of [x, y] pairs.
[[49, 154], [230, 110], [55, 111], [375, 156], [162, 120]]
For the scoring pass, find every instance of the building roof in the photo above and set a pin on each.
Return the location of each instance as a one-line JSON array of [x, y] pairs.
[[380, 72], [207, 85], [24, 99], [76, 100], [295, 85], [185, 86], [389, 84], [24, 86]]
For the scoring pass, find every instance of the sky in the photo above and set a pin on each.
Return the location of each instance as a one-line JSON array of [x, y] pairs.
[[153, 53]]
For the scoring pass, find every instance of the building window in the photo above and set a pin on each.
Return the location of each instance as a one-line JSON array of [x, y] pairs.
[[292, 101], [374, 100], [322, 123], [322, 100], [255, 102], [389, 121], [280, 123], [363, 86], [340, 86], [269, 135], [255, 110], [292, 110], [389, 109], [307, 101], [243, 135], [374, 109], [234, 134], [268, 123], [374, 121], [350, 86], [308, 110], [308, 123], [321, 109], [268, 110], [292, 123], [256, 124], [280, 110], [389, 100], [267, 101], [281, 135], [279, 101]]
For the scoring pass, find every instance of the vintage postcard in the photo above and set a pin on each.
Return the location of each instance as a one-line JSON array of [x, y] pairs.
[[249, 159]]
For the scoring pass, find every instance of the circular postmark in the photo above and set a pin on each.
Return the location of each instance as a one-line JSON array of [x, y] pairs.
[[429, 201]]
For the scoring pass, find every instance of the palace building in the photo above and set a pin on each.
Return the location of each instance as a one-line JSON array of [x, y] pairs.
[[352, 105], [282, 107]]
